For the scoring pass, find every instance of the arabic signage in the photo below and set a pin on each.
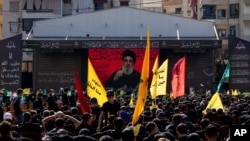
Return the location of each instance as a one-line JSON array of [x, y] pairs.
[[11, 62], [55, 70], [239, 57], [191, 44], [77, 44]]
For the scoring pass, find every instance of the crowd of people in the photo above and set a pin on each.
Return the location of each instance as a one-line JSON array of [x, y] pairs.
[[163, 119]]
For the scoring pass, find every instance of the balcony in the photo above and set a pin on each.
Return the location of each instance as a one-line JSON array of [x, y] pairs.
[[233, 21], [246, 17], [221, 21], [41, 14], [214, 2]]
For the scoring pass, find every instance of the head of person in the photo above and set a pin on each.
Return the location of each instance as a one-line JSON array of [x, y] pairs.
[[51, 91], [110, 95], [182, 130], [5, 128], [128, 61], [27, 117], [59, 123], [128, 134], [106, 138], [211, 132], [193, 137], [93, 101], [19, 92], [7, 115], [152, 128]]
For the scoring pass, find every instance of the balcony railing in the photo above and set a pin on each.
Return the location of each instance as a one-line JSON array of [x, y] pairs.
[[40, 11]]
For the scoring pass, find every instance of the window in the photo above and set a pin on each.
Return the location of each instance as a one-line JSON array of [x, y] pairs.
[[177, 10], [27, 66], [209, 12], [222, 33], [221, 13], [99, 6], [234, 11], [67, 1], [14, 6], [232, 31], [123, 3], [14, 27]]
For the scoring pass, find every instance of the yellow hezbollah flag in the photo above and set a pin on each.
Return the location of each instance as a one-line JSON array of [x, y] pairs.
[[143, 85], [153, 86], [215, 103], [235, 92], [94, 86], [26, 91], [162, 75]]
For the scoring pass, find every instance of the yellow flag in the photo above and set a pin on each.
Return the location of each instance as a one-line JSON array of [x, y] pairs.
[[153, 86], [171, 96], [131, 103], [162, 75], [215, 103], [26, 91], [143, 85], [235, 92], [94, 86]]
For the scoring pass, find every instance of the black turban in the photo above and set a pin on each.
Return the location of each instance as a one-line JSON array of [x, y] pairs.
[[129, 53]]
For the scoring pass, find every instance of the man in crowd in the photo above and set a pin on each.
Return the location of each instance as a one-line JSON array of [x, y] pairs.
[[111, 107], [15, 105]]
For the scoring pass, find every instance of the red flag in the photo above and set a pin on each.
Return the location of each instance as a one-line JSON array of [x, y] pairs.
[[179, 78], [82, 100]]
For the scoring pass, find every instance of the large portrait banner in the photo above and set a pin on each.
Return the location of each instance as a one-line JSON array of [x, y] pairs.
[[106, 61]]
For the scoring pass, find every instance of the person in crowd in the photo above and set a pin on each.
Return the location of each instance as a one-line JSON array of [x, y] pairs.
[[203, 124], [86, 122], [111, 107], [59, 121], [62, 135], [38, 102], [31, 130], [95, 111], [128, 134], [110, 123], [15, 105], [152, 130], [126, 76], [34, 117], [106, 138], [51, 100], [72, 97], [15, 129], [182, 132], [114, 133], [125, 115], [64, 97], [6, 131], [211, 133], [84, 135], [1, 113], [193, 137]]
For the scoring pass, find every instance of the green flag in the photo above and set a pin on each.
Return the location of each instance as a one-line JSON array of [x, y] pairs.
[[7, 92], [225, 75]]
